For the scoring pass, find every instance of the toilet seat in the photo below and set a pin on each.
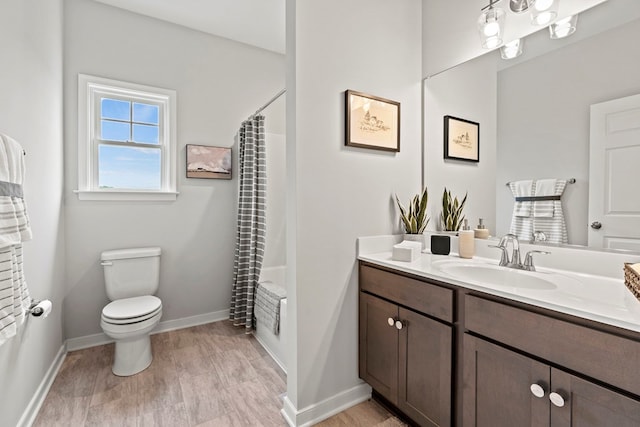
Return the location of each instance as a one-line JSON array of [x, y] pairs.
[[131, 310]]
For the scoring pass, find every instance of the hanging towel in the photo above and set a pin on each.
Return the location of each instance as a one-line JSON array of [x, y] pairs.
[[521, 221], [544, 188], [14, 229], [553, 226], [267, 305], [519, 189]]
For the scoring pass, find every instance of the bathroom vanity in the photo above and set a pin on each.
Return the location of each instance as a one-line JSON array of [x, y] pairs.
[[446, 351]]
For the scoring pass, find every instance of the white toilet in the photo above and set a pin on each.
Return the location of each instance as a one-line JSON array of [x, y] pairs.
[[131, 278]]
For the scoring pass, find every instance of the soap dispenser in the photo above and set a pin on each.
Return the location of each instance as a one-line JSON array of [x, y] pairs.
[[466, 241], [481, 232]]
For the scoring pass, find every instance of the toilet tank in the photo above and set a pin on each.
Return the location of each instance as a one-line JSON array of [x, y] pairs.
[[131, 272]]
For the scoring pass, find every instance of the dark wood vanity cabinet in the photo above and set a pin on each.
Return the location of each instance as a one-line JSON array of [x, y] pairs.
[[504, 387], [405, 354], [446, 355]]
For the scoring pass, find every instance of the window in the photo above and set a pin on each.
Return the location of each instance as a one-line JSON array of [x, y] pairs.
[[126, 141]]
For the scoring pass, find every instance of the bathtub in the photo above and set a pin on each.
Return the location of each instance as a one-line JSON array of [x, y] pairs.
[[274, 344]]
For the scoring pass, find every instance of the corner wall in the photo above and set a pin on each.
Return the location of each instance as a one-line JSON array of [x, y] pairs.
[[31, 113], [338, 193], [219, 83]]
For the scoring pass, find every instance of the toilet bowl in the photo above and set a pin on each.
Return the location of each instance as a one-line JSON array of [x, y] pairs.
[[131, 277]]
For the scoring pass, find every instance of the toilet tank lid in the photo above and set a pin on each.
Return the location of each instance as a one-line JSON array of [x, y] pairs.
[[130, 253]]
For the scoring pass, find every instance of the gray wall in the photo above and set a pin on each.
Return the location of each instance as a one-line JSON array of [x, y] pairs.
[[31, 112], [543, 110], [337, 193], [219, 83], [467, 91]]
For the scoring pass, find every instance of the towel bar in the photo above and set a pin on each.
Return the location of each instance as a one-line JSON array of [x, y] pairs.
[[569, 181]]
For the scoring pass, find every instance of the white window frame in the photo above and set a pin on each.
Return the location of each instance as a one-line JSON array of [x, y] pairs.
[[90, 90]]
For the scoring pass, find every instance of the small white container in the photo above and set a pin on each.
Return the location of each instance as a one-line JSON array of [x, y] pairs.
[[406, 251]]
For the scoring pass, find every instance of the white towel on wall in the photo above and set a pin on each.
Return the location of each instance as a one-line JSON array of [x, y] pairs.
[[520, 189], [553, 225], [14, 229], [544, 208]]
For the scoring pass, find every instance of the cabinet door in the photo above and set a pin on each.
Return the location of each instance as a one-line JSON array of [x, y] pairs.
[[379, 346], [497, 387], [425, 356], [589, 405]]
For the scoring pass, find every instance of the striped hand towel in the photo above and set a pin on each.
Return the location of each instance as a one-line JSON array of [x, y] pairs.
[[14, 229], [520, 189], [267, 305], [544, 208]]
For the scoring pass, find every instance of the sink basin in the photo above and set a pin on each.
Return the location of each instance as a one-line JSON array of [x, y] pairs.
[[495, 276]]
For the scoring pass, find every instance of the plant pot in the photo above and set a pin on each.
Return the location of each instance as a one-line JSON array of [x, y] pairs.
[[416, 238]]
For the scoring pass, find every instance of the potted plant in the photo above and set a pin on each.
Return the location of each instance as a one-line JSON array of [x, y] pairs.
[[415, 219], [452, 211]]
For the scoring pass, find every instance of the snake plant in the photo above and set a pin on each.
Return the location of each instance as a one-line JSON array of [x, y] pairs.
[[415, 219], [452, 211]]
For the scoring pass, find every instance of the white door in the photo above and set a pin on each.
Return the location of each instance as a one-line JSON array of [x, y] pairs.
[[614, 174]]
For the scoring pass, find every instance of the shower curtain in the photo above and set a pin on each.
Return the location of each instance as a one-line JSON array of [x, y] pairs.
[[250, 239]]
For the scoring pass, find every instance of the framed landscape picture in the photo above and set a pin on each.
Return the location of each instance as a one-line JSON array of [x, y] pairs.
[[372, 122], [204, 161], [461, 139]]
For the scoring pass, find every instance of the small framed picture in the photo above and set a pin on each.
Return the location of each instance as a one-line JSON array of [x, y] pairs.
[[204, 161], [372, 122], [461, 139]]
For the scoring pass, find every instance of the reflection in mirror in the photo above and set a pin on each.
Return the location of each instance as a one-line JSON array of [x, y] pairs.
[[544, 117]]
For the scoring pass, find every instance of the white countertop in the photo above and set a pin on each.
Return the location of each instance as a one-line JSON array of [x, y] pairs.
[[590, 296]]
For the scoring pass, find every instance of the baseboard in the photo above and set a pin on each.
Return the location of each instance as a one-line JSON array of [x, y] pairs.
[[165, 326], [31, 411], [317, 412]]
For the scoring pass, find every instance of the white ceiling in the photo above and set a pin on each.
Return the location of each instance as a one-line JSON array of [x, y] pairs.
[[258, 23]]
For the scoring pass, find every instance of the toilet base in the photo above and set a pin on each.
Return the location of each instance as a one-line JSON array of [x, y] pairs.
[[132, 356]]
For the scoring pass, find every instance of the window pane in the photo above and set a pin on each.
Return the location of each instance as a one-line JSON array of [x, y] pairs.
[[115, 109], [114, 131], [145, 113], [129, 167], [146, 134]]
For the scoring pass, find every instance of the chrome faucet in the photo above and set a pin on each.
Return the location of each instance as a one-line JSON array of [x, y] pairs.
[[514, 261]]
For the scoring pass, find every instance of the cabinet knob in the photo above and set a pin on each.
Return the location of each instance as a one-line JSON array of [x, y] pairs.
[[556, 399], [537, 390], [391, 321], [399, 324]]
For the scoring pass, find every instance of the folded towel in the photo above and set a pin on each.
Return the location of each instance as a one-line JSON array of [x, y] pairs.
[[544, 208], [521, 189], [267, 304]]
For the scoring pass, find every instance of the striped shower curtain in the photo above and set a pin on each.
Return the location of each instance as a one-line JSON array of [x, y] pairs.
[[250, 240]]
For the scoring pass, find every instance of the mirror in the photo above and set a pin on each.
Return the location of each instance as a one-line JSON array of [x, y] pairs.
[[543, 98]]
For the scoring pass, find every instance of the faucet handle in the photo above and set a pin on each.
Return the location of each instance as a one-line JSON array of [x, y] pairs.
[[528, 259], [504, 259]]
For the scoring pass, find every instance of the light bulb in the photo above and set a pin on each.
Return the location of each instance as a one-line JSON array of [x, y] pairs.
[[543, 18], [491, 29], [543, 4]]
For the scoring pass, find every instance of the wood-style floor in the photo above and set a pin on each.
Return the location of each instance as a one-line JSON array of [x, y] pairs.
[[208, 375]]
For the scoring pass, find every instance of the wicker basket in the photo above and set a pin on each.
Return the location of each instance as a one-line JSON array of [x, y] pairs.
[[632, 280]]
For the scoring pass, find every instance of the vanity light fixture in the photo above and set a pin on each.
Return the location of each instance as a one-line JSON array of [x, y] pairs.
[[491, 25], [520, 6], [544, 11], [512, 49], [563, 27]]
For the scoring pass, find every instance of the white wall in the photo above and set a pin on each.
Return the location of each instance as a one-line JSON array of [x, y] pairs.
[[543, 125], [219, 83], [338, 193], [31, 112], [275, 242], [468, 92], [450, 34]]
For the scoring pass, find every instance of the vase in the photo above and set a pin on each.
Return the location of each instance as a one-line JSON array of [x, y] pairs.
[[416, 238]]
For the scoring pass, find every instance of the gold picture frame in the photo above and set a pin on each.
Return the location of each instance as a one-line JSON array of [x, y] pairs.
[[372, 122]]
